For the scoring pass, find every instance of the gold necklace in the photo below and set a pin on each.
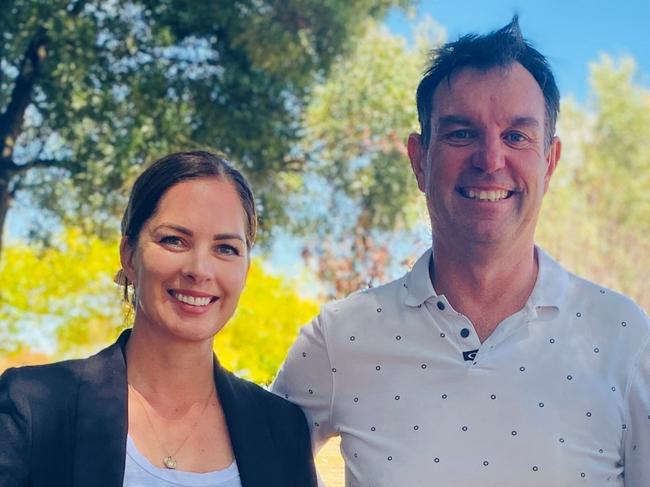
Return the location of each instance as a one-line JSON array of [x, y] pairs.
[[169, 460]]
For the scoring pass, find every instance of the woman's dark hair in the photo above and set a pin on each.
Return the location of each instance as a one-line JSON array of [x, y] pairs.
[[175, 168], [497, 49]]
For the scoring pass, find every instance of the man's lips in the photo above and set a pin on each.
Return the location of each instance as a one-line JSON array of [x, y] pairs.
[[483, 194], [192, 298]]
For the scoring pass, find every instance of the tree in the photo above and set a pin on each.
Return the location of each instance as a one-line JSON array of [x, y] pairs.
[[61, 296], [597, 213], [91, 89], [356, 126], [270, 313]]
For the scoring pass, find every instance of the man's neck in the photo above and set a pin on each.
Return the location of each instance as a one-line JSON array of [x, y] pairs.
[[485, 284]]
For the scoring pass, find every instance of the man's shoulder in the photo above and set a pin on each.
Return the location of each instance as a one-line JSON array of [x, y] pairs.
[[591, 293], [610, 311], [581, 295], [390, 294]]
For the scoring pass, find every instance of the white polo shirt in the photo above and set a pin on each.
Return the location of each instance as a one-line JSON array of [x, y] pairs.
[[558, 395]]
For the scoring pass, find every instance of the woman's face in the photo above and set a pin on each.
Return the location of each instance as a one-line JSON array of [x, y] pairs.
[[190, 262]]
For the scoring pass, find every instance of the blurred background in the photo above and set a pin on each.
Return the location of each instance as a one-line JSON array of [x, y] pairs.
[[313, 100]]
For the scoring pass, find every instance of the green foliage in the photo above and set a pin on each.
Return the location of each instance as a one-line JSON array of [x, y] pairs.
[[270, 313], [356, 125], [121, 82], [618, 173], [63, 293], [597, 214]]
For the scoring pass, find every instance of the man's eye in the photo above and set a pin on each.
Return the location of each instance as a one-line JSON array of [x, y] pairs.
[[460, 137], [461, 134], [515, 137]]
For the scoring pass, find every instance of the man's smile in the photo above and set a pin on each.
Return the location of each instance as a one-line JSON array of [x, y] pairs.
[[485, 194]]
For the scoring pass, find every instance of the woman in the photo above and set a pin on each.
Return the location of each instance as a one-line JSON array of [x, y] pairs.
[[156, 408]]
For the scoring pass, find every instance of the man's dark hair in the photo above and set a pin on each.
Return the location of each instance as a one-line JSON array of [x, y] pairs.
[[500, 48]]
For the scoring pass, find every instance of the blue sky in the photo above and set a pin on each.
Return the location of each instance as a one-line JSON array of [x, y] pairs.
[[571, 33]]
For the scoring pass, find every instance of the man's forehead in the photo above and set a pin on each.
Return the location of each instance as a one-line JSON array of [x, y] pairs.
[[502, 88], [478, 74]]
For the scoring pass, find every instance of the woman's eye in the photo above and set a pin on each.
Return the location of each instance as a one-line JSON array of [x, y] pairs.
[[171, 241], [225, 249]]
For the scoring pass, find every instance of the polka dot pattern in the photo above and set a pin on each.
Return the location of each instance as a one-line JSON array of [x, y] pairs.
[[543, 386]]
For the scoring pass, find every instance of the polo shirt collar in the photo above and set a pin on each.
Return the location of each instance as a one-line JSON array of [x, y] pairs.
[[552, 282], [418, 282], [549, 290]]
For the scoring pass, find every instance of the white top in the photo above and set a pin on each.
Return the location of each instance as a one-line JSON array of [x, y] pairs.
[[140, 472], [558, 395]]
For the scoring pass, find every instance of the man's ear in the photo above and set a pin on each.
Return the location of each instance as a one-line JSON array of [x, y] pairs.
[[417, 156], [552, 159], [127, 253]]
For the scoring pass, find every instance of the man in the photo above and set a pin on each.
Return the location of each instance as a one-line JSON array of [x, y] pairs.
[[487, 364]]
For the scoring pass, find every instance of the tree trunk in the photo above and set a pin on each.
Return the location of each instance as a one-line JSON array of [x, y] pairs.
[[11, 120], [5, 202]]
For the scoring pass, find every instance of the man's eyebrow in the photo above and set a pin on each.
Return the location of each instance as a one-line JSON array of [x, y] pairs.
[[454, 120], [525, 121]]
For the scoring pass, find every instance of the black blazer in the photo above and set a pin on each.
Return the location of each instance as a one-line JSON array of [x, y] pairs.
[[65, 424]]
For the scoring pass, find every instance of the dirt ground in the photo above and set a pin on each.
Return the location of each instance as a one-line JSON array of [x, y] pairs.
[[330, 464]]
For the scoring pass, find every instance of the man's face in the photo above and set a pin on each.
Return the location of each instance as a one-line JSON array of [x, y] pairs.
[[486, 168]]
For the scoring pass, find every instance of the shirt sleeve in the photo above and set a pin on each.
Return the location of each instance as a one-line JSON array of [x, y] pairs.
[[306, 379], [637, 426], [14, 433]]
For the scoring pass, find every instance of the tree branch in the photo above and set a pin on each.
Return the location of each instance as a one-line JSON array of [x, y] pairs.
[[10, 167], [30, 67]]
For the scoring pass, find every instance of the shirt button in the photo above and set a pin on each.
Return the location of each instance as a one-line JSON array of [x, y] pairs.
[[464, 332], [440, 305]]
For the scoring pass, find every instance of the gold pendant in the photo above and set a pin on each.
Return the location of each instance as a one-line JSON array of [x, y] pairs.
[[169, 462]]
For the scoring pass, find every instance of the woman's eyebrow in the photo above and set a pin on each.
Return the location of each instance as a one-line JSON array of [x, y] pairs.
[[228, 236], [189, 233], [173, 226]]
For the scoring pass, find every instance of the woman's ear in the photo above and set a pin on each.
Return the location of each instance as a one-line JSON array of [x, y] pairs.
[[127, 254]]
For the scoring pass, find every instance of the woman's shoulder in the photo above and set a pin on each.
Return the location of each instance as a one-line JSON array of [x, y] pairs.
[[41, 381], [279, 427], [56, 380], [272, 404]]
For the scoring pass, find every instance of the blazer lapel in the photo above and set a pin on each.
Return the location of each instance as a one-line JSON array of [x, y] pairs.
[[102, 423], [249, 431]]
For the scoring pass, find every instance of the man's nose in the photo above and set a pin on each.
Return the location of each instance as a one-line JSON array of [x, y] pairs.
[[490, 155]]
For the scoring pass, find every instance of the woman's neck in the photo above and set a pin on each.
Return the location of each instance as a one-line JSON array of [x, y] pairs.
[[159, 365]]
